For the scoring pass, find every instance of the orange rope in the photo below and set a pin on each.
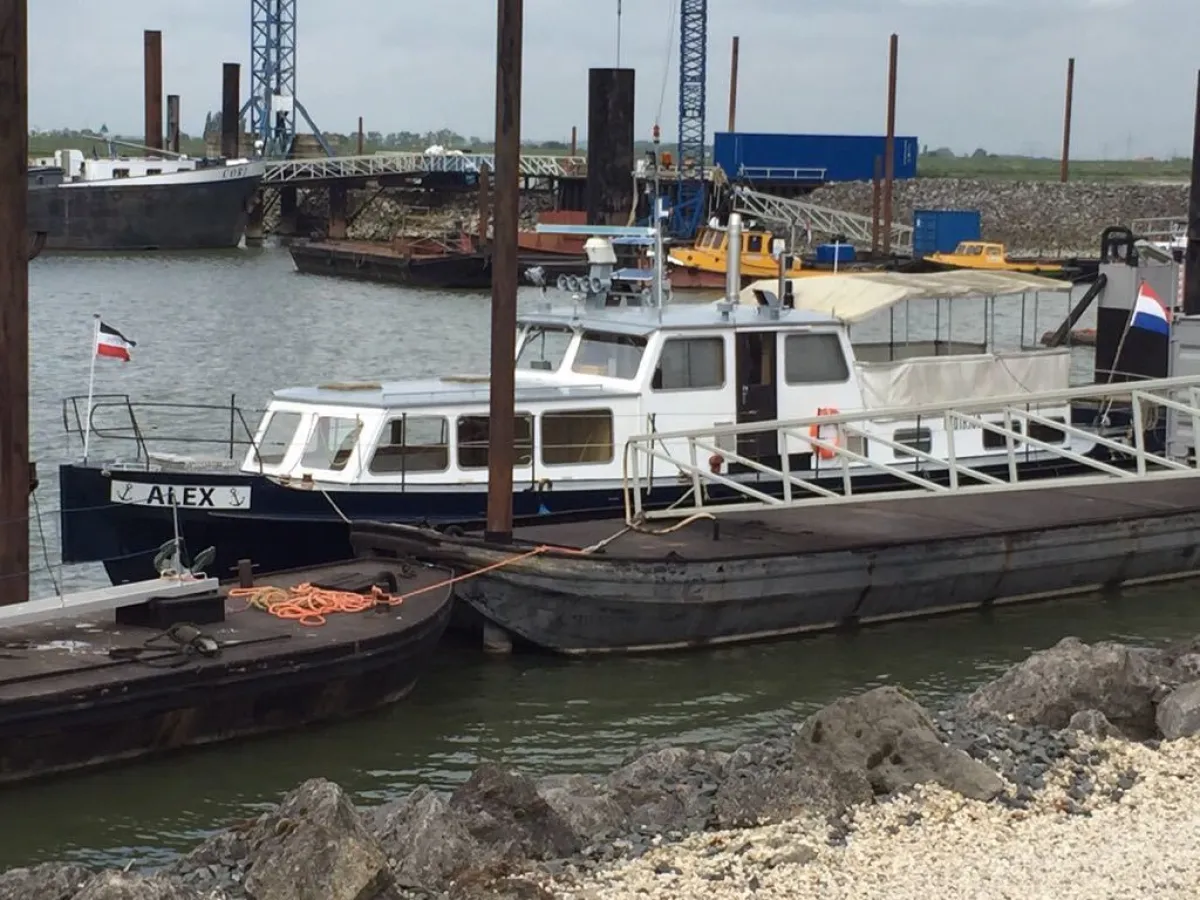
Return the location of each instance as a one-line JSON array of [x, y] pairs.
[[309, 605]]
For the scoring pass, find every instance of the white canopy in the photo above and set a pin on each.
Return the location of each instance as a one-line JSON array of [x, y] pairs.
[[855, 296]]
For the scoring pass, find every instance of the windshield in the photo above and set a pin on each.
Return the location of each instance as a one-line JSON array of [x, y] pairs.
[[544, 348], [611, 355], [331, 443], [277, 434]]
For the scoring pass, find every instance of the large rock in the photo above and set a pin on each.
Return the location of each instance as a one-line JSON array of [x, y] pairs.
[[132, 886], [1052, 685], [589, 806], [426, 842], [669, 789], [49, 881], [502, 810], [315, 847], [770, 781], [1179, 714], [891, 740]]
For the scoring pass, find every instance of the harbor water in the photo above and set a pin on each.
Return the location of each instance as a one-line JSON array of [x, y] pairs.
[[243, 323]]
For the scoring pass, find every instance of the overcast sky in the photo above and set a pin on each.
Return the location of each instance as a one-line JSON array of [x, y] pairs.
[[972, 73]]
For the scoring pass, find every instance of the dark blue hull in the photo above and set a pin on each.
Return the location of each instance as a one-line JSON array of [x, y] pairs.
[[287, 528]]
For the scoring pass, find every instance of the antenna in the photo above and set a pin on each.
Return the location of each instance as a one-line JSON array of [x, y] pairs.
[[618, 34]]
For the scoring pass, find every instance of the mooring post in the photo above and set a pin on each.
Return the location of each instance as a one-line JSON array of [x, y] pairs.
[[152, 63], [1064, 171], [173, 122], [505, 217], [14, 305], [1191, 259], [231, 125], [610, 190], [876, 197], [485, 206], [574, 140], [362, 145], [733, 85], [338, 204], [889, 146]]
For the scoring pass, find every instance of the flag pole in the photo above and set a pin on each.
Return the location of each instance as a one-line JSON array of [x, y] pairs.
[[87, 422]]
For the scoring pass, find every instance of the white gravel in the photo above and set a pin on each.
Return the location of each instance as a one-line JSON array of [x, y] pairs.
[[935, 844]]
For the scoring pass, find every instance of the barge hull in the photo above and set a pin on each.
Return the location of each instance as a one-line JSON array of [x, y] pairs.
[[787, 572]]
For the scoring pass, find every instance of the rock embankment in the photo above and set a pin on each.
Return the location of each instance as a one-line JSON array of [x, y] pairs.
[[1076, 773], [1029, 217]]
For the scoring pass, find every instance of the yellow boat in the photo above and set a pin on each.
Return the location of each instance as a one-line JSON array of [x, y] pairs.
[[991, 256], [702, 265]]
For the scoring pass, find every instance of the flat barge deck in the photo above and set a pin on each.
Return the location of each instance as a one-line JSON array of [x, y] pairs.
[[753, 576], [85, 691]]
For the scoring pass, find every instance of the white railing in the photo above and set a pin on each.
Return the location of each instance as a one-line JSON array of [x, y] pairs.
[[690, 455], [782, 173], [291, 171], [802, 216], [1161, 227]]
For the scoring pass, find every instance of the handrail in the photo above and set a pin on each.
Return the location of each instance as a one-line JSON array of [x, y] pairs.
[[1017, 411]]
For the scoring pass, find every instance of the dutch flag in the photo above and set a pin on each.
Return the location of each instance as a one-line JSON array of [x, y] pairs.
[[1149, 312], [110, 342]]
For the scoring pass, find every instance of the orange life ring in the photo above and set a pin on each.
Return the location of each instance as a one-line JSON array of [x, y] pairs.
[[814, 430]]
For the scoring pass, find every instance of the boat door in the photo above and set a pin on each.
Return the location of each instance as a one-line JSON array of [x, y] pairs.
[[757, 391]]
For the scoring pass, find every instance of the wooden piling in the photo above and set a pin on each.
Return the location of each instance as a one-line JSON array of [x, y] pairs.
[[1191, 259], [485, 207], [733, 86], [1065, 167], [14, 304], [506, 214], [362, 144], [231, 125], [152, 64], [876, 197], [173, 122], [889, 147]]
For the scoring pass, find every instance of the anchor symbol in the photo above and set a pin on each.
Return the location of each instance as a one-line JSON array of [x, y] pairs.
[[235, 499], [125, 492]]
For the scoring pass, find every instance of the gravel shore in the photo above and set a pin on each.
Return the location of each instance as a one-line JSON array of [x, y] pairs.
[[1135, 834]]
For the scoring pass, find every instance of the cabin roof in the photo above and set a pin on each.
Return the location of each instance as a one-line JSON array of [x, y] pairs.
[[452, 390], [644, 321], [853, 297]]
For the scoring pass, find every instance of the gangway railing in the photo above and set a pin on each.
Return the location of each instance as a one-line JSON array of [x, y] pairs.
[[1160, 227], [295, 171], [703, 457], [800, 216]]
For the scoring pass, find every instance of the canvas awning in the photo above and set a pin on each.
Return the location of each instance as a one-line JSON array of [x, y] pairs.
[[855, 296]]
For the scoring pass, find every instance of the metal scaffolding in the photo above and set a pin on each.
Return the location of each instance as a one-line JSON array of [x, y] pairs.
[[273, 104], [689, 207]]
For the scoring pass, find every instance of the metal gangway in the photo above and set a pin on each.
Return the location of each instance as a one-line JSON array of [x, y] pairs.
[[702, 457], [799, 217], [374, 165]]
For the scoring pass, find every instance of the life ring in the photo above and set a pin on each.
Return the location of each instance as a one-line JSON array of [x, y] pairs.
[[814, 430], [714, 463]]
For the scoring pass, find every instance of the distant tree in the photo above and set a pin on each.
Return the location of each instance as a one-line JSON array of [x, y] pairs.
[[980, 153]]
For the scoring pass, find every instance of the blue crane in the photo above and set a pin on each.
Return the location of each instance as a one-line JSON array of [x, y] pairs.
[[273, 103], [690, 201]]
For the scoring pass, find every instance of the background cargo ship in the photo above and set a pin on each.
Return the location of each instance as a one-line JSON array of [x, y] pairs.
[[141, 203]]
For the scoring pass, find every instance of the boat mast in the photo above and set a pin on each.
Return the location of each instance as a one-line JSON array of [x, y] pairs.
[[505, 218], [14, 305]]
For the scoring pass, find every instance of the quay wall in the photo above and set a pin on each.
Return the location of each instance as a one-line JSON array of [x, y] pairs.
[[1029, 217], [1076, 773]]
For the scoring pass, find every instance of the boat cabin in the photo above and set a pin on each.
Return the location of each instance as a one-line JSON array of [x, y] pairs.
[[590, 376], [709, 252], [78, 168]]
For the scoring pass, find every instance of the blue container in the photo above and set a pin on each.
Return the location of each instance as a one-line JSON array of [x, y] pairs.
[[811, 158], [941, 230], [827, 254]]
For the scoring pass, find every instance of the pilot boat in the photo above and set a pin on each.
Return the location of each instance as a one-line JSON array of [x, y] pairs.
[[616, 359]]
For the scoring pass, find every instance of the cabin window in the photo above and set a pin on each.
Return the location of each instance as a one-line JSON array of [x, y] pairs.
[[1047, 434], [331, 443], [994, 441], [918, 438], [154, 171], [608, 354], [277, 437], [814, 359], [574, 436], [754, 244], [544, 348], [473, 441], [120, 173], [690, 364], [413, 444]]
